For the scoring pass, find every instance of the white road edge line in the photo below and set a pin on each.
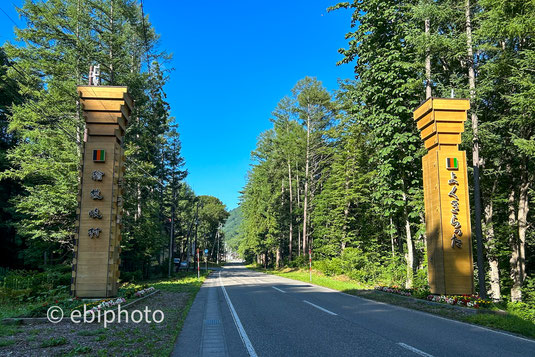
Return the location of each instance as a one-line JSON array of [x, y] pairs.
[[415, 350], [321, 308], [282, 291], [237, 322]]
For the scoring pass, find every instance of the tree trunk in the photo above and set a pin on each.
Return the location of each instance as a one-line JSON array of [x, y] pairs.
[[392, 237], [495, 289], [80, 121], [306, 193], [346, 214], [516, 293], [427, 62], [112, 74], [291, 212], [523, 209], [278, 257], [475, 153], [410, 245], [422, 221], [298, 205]]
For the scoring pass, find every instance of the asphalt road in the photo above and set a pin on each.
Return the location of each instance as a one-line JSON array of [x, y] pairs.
[[239, 312]]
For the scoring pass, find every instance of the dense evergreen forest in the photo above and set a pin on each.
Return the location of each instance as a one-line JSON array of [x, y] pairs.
[[41, 134], [340, 173]]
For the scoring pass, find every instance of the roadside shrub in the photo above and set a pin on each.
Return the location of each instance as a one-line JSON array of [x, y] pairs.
[[329, 267], [131, 277], [31, 285], [393, 271], [522, 310], [11, 295], [368, 268], [528, 291], [420, 278], [354, 263], [300, 261]]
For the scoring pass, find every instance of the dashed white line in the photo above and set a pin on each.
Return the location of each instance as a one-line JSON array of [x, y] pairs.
[[282, 291], [321, 308], [428, 314], [414, 349], [237, 322]]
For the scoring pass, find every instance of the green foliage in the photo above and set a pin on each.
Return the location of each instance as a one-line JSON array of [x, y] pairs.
[[300, 261], [100, 331], [231, 229], [365, 268], [132, 277], [4, 343], [53, 342], [80, 350], [22, 285], [394, 272], [329, 267], [523, 310], [510, 323], [528, 291]]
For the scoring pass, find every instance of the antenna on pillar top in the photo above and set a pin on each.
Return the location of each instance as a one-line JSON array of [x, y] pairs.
[[94, 75]]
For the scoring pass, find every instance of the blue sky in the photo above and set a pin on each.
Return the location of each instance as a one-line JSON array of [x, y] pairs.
[[233, 61]]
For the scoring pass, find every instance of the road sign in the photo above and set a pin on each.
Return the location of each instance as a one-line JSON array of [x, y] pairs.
[[176, 260], [206, 251]]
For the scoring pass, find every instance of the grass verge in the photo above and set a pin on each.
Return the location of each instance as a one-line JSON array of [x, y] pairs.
[[118, 339], [510, 322]]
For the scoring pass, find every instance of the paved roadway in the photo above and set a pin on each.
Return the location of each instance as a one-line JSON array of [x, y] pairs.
[[239, 312]]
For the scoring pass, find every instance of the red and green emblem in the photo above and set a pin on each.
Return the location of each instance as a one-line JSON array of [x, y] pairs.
[[99, 155], [452, 163]]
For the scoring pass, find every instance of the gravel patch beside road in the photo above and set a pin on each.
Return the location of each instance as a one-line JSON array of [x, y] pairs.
[[119, 339]]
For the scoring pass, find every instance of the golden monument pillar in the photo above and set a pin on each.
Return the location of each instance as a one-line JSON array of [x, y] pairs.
[[106, 111], [447, 206]]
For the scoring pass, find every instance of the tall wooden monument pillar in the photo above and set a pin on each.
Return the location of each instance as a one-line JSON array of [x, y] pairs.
[[96, 261], [447, 209]]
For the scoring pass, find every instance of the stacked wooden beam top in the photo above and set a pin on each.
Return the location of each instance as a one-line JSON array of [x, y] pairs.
[[441, 122]]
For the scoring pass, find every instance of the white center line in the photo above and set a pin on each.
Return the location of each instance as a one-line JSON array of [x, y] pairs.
[[237, 322], [321, 308], [414, 349], [282, 291]]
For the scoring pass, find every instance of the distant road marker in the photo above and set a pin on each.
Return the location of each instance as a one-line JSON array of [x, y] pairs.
[[414, 349], [282, 291], [320, 308]]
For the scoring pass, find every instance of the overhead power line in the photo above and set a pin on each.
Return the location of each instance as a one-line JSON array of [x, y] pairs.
[[9, 17]]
